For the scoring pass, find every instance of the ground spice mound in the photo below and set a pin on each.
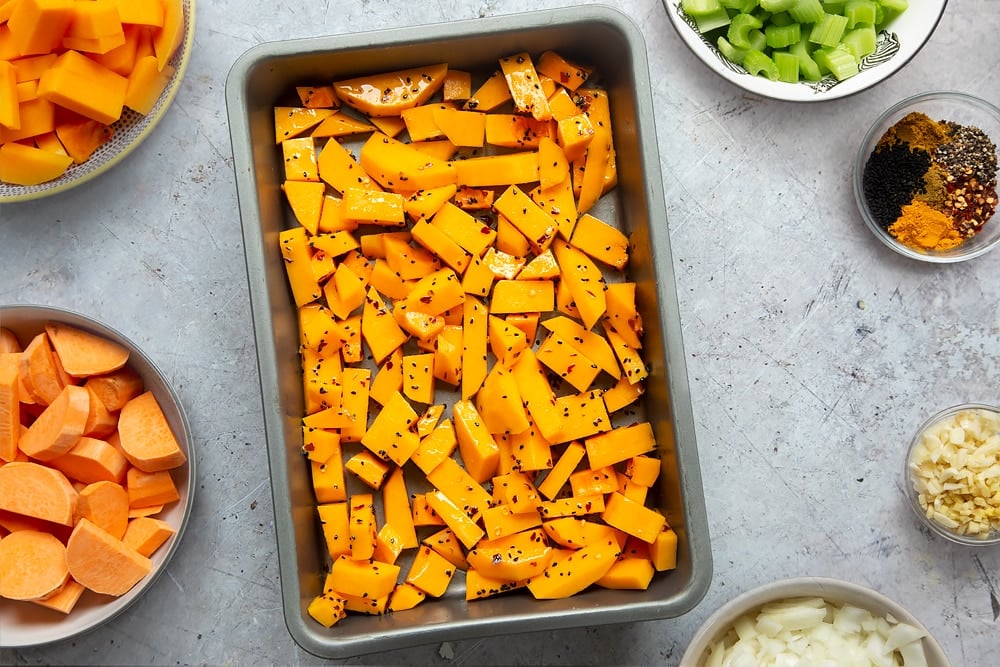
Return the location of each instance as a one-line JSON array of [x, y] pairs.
[[931, 184]]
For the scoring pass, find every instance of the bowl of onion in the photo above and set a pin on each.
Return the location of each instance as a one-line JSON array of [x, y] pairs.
[[813, 621]]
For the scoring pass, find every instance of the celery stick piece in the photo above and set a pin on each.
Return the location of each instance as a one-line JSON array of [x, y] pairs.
[[838, 60], [781, 19], [757, 40], [710, 22], [740, 26], [758, 63], [778, 37], [808, 67], [696, 8], [741, 6], [787, 64], [777, 5], [890, 10], [807, 11], [860, 42], [828, 30], [859, 11], [731, 52], [834, 6]]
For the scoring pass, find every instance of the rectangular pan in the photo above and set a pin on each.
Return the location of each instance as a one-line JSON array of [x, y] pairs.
[[263, 78]]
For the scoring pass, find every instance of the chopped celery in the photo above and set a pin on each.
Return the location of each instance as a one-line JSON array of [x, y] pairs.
[[739, 30], [828, 30], [806, 11], [797, 40], [891, 9], [859, 11], [696, 8], [757, 62], [741, 6], [780, 36], [709, 22], [807, 66], [861, 41], [729, 51], [838, 60], [781, 18], [787, 64]]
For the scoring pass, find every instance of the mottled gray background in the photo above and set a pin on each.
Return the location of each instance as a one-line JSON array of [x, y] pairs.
[[813, 351]]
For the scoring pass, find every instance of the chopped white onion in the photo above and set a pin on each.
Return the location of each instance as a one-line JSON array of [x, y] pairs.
[[801, 633]]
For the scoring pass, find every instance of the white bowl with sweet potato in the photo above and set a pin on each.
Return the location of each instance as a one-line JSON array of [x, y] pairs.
[[91, 427]]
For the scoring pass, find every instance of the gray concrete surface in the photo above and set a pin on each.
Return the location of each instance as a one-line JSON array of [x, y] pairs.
[[813, 351]]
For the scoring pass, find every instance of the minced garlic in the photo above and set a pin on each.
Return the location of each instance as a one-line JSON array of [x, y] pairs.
[[955, 470]]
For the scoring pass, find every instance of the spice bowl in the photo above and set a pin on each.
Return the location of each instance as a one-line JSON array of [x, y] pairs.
[[925, 177], [950, 474]]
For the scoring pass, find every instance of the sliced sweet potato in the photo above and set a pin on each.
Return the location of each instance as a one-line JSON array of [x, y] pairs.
[[102, 563], [39, 371], [146, 534], [65, 598], [58, 428], [150, 488], [92, 460], [9, 341], [100, 422], [83, 353], [10, 406], [115, 389], [146, 437], [38, 491], [105, 504], [32, 565]]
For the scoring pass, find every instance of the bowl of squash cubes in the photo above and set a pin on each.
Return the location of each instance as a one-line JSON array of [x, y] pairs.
[[82, 84], [476, 407], [805, 50], [96, 474]]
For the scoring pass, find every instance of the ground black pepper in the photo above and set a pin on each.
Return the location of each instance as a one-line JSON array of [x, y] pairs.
[[893, 175]]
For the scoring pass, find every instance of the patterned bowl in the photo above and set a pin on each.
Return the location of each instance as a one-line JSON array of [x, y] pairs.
[[902, 38], [129, 131]]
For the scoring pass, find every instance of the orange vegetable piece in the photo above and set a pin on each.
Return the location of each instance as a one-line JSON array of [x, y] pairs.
[[65, 598], [92, 460], [83, 353], [32, 565], [40, 371], [34, 490], [101, 423], [150, 488], [168, 38], [106, 504], [146, 437], [10, 406], [84, 86], [117, 388], [37, 26], [146, 82], [58, 428], [9, 111], [26, 165], [146, 534], [103, 563]]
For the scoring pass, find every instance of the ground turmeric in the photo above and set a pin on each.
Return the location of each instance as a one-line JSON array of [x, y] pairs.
[[925, 228], [918, 130]]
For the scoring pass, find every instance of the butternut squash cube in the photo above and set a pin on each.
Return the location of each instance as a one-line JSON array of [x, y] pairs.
[[663, 550], [38, 26], [506, 341], [519, 556], [400, 167], [465, 529], [501, 521], [327, 609], [440, 244], [462, 128], [445, 543], [396, 508], [435, 447], [567, 362], [583, 415], [585, 282], [362, 535], [570, 572], [388, 544], [491, 93], [573, 506], [522, 296], [430, 572], [529, 218], [573, 533], [423, 204], [594, 481], [633, 518], [418, 377], [405, 596], [390, 436], [565, 72], [340, 125], [368, 468], [84, 86], [336, 165], [628, 574], [468, 232], [601, 241], [457, 85], [525, 89], [294, 246], [335, 522], [26, 165], [362, 578], [497, 170], [499, 403], [389, 93]]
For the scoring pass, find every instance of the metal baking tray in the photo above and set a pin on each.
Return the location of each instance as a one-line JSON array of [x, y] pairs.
[[262, 78]]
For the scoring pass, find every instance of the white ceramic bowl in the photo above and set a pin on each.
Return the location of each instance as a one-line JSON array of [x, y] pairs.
[[952, 413], [833, 591], [938, 106], [897, 44], [129, 131], [24, 624]]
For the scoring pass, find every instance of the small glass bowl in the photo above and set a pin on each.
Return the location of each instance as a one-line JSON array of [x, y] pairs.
[[939, 106], [937, 527]]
